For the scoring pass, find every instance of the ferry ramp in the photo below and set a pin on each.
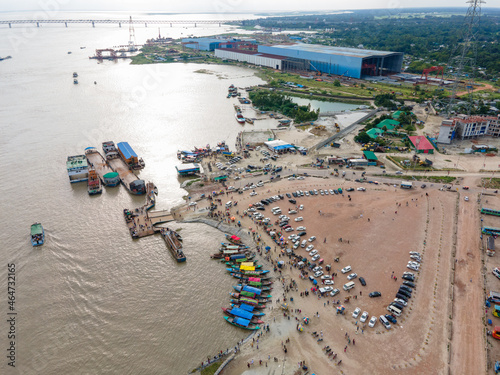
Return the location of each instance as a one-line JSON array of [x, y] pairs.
[[160, 217]]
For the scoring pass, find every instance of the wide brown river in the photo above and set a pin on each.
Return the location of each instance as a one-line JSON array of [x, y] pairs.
[[92, 300]]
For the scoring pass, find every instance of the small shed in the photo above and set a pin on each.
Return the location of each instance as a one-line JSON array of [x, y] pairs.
[[370, 156]]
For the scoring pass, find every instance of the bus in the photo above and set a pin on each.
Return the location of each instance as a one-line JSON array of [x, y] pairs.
[[489, 211]]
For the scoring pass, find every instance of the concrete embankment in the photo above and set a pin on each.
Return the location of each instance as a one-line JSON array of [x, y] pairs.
[[223, 227]]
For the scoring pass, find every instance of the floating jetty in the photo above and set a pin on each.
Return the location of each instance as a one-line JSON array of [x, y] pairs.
[[107, 176], [142, 222]]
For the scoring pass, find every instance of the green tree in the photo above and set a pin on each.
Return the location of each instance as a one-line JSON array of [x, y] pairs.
[[362, 138]]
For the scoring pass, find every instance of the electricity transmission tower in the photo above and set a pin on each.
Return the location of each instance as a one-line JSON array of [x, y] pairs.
[[460, 60]]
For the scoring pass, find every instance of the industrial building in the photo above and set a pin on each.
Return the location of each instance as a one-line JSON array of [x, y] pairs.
[[210, 44], [468, 127], [252, 57], [349, 62]]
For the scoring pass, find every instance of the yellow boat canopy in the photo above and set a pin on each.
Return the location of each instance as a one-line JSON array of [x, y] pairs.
[[248, 264], [247, 268]]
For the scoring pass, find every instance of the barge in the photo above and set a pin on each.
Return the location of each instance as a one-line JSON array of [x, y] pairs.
[[96, 161], [94, 183], [129, 156], [173, 241], [127, 177]]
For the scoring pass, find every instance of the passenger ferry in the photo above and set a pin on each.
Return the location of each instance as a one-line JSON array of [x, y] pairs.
[[110, 150], [94, 183], [37, 234], [77, 167]]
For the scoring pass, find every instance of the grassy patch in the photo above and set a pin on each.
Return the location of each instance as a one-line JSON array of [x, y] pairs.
[[192, 182], [431, 179], [491, 183], [210, 370]]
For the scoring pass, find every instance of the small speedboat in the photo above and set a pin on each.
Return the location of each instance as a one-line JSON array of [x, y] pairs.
[[37, 234]]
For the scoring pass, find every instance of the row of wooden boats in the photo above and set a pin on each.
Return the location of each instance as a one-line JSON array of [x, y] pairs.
[[252, 292]]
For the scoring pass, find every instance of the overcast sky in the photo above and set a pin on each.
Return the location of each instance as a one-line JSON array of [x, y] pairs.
[[233, 6]]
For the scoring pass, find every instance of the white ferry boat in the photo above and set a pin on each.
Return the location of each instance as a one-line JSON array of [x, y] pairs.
[[77, 167]]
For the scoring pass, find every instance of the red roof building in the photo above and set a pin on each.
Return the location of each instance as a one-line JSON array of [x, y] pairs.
[[422, 144]]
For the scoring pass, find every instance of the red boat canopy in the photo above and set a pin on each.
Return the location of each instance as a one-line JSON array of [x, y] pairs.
[[233, 237]]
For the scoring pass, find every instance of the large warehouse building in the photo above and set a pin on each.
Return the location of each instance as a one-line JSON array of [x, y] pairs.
[[255, 58], [350, 62]]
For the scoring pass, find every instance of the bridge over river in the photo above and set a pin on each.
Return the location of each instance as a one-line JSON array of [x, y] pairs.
[[119, 22]]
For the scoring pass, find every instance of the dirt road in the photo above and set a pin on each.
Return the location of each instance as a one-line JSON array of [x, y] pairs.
[[468, 345]]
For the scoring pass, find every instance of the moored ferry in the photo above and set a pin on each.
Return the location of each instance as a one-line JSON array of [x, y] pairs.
[[129, 156], [77, 168], [102, 168], [173, 241], [94, 183], [37, 234]]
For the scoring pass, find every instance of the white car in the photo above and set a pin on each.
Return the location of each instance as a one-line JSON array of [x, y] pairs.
[[291, 178], [356, 313], [289, 229], [326, 192], [361, 189], [300, 178], [363, 317], [301, 228], [314, 252], [414, 263], [346, 269], [260, 184], [311, 239], [253, 193], [415, 253], [416, 258], [252, 210], [401, 301], [307, 193], [335, 292], [292, 236], [327, 289], [329, 282], [296, 246], [315, 258], [192, 204], [317, 268], [318, 274], [310, 247], [466, 199], [291, 212], [301, 207], [352, 276], [411, 267], [372, 322], [300, 218], [331, 192], [326, 277]]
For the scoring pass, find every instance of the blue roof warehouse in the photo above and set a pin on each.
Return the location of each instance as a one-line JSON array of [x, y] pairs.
[[349, 62]]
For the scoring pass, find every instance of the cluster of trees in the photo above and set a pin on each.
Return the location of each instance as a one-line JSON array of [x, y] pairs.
[[432, 35], [278, 102], [387, 100]]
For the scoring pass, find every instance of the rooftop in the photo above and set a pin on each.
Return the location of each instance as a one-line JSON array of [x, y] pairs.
[[332, 50], [423, 142], [246, 52]]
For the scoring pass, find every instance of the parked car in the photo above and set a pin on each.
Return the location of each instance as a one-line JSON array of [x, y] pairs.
[[301, 233], [408, 277], [415, 253], [372, 322], [301, 228], [335, 292], [326, 277], [409, 283], [346, 269], [496, 272], [356, 312], [329, 282], [352, 276], [315, 258], [301, 207], [397, 304], [318, 274], [361, 189], [391, 319], [311, 239], [362, 281], [400, 296], [401, 301], [374, 294], [385, 322], [310, 247], [363, 317], [300, 218]]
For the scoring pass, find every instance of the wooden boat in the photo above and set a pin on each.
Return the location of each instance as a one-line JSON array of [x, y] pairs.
[[254, 304], [256, 273], [258, 280], [239, 313], [240, 118], [37, 235], [249, 120], [171, 238], [242, 323], [249, 308], [261, 287], [233, 246], [240, 276], [234, 239], [243, 294]]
